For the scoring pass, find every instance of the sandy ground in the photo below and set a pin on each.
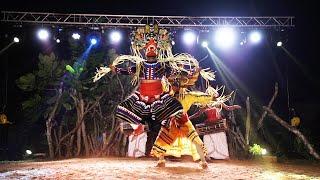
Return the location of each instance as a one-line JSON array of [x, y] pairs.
[[126, 168]]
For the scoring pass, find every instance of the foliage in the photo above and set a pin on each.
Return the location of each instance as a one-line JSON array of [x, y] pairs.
[[255, 149], [40, 84], [71, 77]]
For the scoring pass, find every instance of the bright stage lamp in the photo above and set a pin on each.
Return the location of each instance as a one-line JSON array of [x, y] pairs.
[[76, 36], [93, 41], [204, 44], [58, 40], [29, 152], [115, 37], [255, 37], [279, 43], [225, 37], [189, 38], [43, 34], [264, 151], [16, 40], [173, 43]]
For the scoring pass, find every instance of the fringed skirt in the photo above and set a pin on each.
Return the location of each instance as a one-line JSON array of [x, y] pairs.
[[134, 110], [172, 141]]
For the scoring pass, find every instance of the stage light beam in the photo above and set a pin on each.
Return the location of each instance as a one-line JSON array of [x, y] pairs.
[[225, 37], [189, 37], [58, 41], [43, 34], [76, 36], [205, 44], [264, 151], [16, 40], [115, 37], [93, 41], [279, 43], [29, 152], [255, 37]]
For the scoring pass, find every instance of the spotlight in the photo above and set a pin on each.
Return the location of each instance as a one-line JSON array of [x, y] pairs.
[[225, 37], [264, 151], [29, 152], [58, 40], [115, 37], [76, 36], [173, 43], [43, 34], [16, 40], [93, 41], [241, 43], [189, 37], [255, 37], [279, 43], [204, 44]]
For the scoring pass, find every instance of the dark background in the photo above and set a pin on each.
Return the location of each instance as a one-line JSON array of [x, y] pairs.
[[258, 68]]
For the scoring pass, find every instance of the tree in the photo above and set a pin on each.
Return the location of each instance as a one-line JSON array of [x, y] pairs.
[[63, 95], [44, 95]]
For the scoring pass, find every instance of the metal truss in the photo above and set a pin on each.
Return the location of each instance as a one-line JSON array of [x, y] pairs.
[[140, 20]]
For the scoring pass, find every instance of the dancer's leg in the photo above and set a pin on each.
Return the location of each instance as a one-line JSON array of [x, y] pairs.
[[201, 152]]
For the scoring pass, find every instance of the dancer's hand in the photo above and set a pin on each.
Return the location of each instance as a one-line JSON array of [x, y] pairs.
[[165, 123], [233, 107], [113, 69]]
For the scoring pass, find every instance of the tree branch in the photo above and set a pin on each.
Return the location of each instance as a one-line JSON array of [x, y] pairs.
[[269, 106], [293, 130], [94, 104], [79, 123], [121, 86]]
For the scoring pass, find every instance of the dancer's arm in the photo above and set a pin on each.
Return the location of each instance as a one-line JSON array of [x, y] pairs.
[[123, 71], [230, 108], [197, 114]]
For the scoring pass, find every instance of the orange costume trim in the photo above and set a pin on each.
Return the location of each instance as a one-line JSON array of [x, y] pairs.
[[179, 128]]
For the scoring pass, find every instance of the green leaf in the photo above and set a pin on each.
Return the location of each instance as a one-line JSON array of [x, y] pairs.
[[52, 100], [32, 102], [26, 82], [67, 106]]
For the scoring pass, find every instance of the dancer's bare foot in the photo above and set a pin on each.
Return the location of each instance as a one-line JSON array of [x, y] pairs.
[[203, 165], [161, 163]]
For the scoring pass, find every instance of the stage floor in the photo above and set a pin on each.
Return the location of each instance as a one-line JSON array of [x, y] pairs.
[[125, 168]]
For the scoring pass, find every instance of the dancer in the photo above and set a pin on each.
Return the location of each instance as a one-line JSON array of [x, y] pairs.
[[152, 102]]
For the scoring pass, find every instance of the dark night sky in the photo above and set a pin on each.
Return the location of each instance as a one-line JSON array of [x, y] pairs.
[[254, 68]]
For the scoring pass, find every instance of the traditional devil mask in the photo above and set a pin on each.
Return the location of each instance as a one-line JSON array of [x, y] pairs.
[[151, 48], [152, 40]]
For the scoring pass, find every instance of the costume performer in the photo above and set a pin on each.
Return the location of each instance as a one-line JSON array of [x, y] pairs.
[[152, 102], [210, 98], [210, 114]]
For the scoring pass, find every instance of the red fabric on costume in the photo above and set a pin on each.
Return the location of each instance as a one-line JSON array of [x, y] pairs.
[[184, 118], [151, 89], [213, 114]]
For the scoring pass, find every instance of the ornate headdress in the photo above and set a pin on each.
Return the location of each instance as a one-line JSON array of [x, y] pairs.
[[151, 39], [156, 42]]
